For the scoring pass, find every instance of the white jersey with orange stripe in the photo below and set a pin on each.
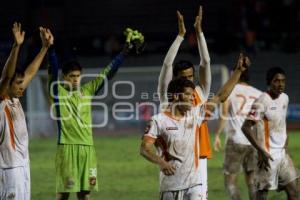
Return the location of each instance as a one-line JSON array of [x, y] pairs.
[[240, 102], [270, 115], [176, 141], [13, 134]]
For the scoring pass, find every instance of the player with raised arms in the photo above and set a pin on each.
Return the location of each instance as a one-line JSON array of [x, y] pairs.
[[185, 69], [14, 155], [76, 162], [173, 132]]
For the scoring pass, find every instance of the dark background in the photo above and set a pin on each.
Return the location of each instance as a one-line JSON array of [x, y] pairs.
[[267, 30]]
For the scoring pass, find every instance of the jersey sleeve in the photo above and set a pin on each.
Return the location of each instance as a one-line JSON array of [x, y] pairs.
[[152, 129], [257, 111], [166, 72], [53, 70], [92, 87], [204, 67]]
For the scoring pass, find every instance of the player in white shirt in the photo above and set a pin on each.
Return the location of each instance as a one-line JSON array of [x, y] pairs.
[[275, 167], [14, 157], [185, 69], [174, 134], [239, 153]]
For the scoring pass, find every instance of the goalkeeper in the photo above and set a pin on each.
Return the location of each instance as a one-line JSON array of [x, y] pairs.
[[76, 163]]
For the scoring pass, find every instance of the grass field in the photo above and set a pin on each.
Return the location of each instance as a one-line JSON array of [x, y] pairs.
[[124, 174]]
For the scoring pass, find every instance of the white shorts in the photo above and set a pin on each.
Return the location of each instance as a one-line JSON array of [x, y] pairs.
[[203, 175], [282, 172], [15, 183], [192, 193]]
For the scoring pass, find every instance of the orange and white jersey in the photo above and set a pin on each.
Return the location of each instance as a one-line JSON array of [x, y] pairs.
[[13, 134], [270, 115], [176, 141], [204, 139], [240, 102]]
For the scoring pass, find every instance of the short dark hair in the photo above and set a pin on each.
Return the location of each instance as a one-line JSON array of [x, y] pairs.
[[177, 86], [182, 65], [272, 72], [18, 73], [69, 66]]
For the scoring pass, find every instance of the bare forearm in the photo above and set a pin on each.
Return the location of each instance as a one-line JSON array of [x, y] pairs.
[[224, 109], [10, 65], [36, 63], [249, 133], [221, 124], [149, 155], [225, 91]]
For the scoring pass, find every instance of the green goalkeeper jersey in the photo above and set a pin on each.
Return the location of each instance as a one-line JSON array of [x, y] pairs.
[[72, 109]]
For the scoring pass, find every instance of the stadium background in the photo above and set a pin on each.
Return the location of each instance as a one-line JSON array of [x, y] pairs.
[[91, 31]]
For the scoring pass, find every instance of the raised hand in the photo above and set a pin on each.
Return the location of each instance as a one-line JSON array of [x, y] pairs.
[[134, 40], [46, 37], [247, 61], [18, 33], [242, 63], [181, 26], [198, 21]]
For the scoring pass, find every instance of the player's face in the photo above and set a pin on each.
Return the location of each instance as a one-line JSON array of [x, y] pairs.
[[277, 85], [187, 74], [186, 98], [73, 79], [16, 88]]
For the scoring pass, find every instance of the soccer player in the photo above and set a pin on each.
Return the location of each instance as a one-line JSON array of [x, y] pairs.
[[185, 69], [14, 156], [275, 170], [173, 133], [239, 153], [76, 162]]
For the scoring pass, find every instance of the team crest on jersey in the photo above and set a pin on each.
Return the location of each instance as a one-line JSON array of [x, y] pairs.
[[171, 128]]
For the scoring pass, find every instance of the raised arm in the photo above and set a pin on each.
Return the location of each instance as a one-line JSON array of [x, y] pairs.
[[204, 67], [225, 91], [249, 131], [134, 41], [10, 65], [53, 70], [166, 72], [33, 67]]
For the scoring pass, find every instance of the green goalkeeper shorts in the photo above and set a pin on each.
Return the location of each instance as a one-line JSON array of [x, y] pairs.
[[76, 168]]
